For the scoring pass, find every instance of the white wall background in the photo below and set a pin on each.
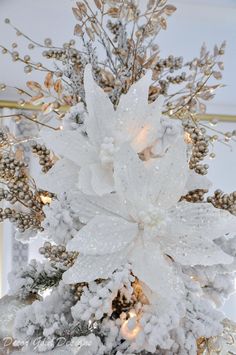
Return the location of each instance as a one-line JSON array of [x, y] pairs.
[[195, 21]]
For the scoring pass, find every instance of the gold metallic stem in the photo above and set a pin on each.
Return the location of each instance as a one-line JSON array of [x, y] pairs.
[[26, 106], [221, 118], [30, 107], [15, 105]]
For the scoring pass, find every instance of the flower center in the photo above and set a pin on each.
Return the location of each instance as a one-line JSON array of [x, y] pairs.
[[151, 217], [107, 150]]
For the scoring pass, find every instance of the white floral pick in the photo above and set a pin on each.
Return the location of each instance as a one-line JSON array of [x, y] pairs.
[[145, 224], [134, 121]]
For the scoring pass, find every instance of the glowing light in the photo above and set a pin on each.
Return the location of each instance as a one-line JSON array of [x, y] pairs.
[[193, 278], [45, 293], [187, 138], [46, 200], [142, 136], [130, 328]]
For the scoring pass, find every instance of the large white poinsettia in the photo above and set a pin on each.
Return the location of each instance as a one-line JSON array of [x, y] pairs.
[[143, 223], [134, 121]]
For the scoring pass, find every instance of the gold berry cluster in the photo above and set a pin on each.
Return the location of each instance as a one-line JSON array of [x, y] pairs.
[[44, 155], [224, 201], [58, 253]]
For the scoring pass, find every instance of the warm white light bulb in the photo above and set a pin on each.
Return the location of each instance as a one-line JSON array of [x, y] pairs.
[[45, 199], [130, 328], [45, 293]]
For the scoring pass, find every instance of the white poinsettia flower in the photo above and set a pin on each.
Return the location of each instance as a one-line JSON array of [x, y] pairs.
[[134, 121], [143, 223]]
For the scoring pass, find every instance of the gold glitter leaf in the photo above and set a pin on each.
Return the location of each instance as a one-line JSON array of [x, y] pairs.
[[163, 23], [68, 100], [216, 50], [150, 4], [221, 65], [34, 86], [90, 33], [58, 86], [114, 12], [202, 107], [161, 2], [19, 154], [151, 61], [77, 13], [37, 100], [48, 82], [217, 75], [78, 30], [82, 7], [169, 9], [98, 3], [95, 28]]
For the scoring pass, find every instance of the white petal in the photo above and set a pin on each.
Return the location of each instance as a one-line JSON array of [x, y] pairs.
[[62, 177], [168, 131], [90, 268], [149, 265], [194, 250], [84, 182], [161, 184], [137, 120], [87, 206], [104, 235], [196, 181], [102, 179], [147, 133], [200, 219], [72, 145], [168, 175], [100, 122], [137, 96], [130, 178]]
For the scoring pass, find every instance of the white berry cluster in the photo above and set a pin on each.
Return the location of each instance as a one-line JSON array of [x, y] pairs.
[[96, 299]]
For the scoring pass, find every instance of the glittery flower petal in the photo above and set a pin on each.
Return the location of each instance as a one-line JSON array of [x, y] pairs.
[[62, 177], [168, 176], [137, 120], [168, 131], [104, 235], [194, 250], [87, 206], [101, 179], [72, 145], [143, 132], [84, 181], [160, 183], [200, 219], [90, 268], [149, 265], [100, 122], [130, 178], [137, 97], [147, 132]]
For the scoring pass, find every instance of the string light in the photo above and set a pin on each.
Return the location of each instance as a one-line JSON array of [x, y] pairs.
[[187, 138], [131, 327], [45, 293], [46, 200]]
